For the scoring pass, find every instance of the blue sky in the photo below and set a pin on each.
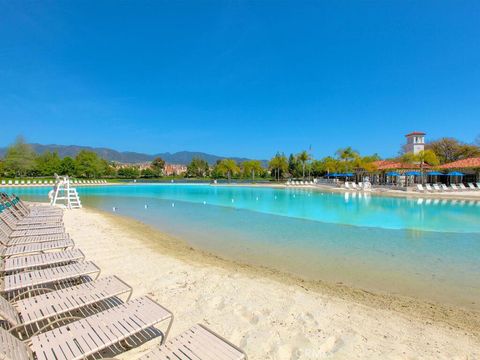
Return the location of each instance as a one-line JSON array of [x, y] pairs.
[[239, 78]]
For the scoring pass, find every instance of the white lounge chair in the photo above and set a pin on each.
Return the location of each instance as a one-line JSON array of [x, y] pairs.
[[3, 182], [444, 187], [462, 187], [420, 188], [472, 187], [454, 187], [10, 182], [428, 187], [199, 343], [87, 337], [16, 182], [34, 314], [436, 187]]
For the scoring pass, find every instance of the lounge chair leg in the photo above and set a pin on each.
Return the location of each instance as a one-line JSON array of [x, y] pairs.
[[167, 331]]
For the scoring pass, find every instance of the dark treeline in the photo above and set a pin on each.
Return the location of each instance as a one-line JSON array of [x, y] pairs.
[[21, 161]]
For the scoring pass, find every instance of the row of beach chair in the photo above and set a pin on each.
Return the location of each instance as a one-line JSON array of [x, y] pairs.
[[432, 188], [354, 186], [48, 182], [55, 305], [299, 183]]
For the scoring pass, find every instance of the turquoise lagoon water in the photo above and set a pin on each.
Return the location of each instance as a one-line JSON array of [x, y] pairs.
[[417, 247]]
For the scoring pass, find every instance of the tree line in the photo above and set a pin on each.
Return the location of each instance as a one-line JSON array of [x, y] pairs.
[[21, 161]]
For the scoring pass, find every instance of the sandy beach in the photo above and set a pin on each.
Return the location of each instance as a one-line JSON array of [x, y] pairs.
[[269, 314]]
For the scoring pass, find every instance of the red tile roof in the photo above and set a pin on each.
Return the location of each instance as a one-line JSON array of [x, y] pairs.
[[463, 164], [416, 133], [394, 165]]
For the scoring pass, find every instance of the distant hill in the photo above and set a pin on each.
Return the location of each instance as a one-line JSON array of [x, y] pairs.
[[181, 157]]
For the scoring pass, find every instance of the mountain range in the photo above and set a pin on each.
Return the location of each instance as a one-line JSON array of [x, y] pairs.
[[181, 157]]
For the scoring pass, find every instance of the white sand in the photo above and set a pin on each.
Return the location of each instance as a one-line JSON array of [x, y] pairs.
[[267, 318]]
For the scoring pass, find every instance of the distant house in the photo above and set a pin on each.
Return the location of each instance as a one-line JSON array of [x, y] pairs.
[[174, 169]]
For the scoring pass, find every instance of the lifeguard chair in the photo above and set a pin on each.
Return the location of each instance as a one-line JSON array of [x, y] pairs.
[[64, 194]]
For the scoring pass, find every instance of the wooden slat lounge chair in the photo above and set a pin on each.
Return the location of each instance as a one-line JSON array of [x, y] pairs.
[[16, 224], [89, 336], [21, 283], [40, 222], [25, 262], [20, 210], [33, 248], [6, 241], [30, 231], [39, 209], [32, 315], [198, 343], [21, 214]]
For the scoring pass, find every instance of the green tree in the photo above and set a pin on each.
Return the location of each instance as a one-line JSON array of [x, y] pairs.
[[67, 166], [129, 172], [250, 168], [278, 166], [20, 158], [227, 168], [327, 165], [450, 149], [110, 170], [347, 154], [158, 164], [48, 164], [197, 168], [148, 173], [303, 157], [466, 151], [421, 158], [88, 164]]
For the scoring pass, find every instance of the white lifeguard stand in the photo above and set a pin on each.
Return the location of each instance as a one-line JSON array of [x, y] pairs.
[[63, 194]]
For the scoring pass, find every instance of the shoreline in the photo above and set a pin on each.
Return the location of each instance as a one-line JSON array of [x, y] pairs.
[[462, 196], [468, 195], [143, 238]]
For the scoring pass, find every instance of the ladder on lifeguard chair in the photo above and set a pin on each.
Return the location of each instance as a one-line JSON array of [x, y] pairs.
[[62, 192]]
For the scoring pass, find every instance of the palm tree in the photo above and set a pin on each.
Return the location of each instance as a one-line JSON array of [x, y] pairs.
[[252, 167], [347, 154], [228, 167], [423, 157], [303, 157], [279, 165]]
